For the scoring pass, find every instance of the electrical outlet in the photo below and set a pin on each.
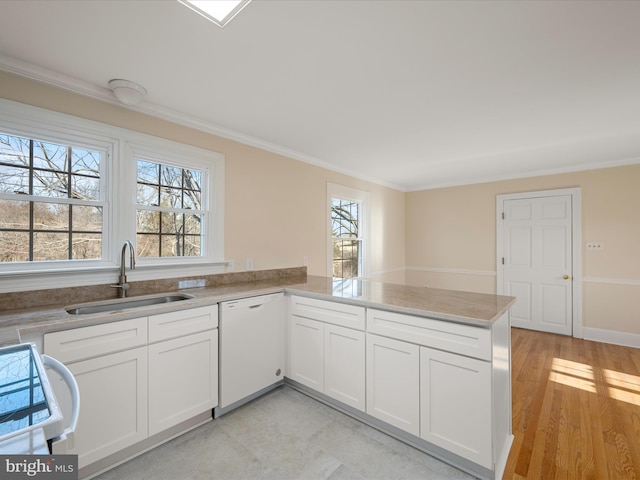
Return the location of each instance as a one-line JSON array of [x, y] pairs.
[[595, 246], [305, 260], [249, 263], [230, 266]]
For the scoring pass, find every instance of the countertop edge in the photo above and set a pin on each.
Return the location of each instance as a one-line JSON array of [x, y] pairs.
[[16, 331], [478, 322]]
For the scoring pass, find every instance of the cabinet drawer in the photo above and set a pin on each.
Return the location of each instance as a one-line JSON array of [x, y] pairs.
[[452, 337], [348, 316], [86, 342], [183, 322]]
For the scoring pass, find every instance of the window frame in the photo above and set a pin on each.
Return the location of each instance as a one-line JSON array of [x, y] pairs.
[[118, 192], [212, 165], [362, 198]]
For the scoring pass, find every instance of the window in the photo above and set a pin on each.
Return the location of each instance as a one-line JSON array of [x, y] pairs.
[[347, 243], [51, 201], [347, 220], [72, 191], [170, 214]]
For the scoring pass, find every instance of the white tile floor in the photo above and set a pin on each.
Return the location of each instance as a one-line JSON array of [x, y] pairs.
[[284, 435]]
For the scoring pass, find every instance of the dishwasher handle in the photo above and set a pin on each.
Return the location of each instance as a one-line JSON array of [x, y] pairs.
[[65, 442], [250, 303]]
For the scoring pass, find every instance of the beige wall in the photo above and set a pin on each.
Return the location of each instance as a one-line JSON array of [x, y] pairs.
[[451, 239], [275, 214], [275, 207]]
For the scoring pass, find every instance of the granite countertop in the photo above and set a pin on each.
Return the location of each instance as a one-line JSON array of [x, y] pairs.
[[462, 307], [479, 309]]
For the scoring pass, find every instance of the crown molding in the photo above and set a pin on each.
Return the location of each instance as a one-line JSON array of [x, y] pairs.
[[104, 94]]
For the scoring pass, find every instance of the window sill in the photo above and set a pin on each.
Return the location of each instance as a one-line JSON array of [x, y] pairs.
[[21, 281]]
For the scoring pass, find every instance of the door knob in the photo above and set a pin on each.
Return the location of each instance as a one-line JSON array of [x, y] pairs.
[[566, 277]]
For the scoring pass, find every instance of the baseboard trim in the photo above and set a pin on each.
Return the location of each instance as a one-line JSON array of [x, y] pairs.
[[611, 336]]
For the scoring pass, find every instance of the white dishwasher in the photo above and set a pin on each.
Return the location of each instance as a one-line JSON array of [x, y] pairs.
[[252, 348]]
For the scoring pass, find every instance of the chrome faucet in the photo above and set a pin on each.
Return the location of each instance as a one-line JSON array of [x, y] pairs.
[[122, 281]]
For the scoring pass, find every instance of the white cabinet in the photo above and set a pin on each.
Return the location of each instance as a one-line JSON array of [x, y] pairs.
[[324, 355], [113, 412], [455, 404], [307, 352], [393, 382], [81, 343], [139, 377], [182, 379], [183, 371], [344, 365], [112, 383], [447, 383]]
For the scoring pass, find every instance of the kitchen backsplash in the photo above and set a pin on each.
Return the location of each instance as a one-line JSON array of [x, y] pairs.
[[92, 293]]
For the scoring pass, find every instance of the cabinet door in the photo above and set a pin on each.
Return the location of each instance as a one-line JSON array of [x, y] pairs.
[[344, 365], [307, 355], [183, 379], [113, 409], [455, 393], [393, 375]]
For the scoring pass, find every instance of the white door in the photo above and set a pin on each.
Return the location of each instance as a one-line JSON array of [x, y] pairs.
[[537, 249]]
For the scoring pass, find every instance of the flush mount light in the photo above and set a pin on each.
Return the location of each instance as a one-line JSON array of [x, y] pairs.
[[128, 92], [219, 12]]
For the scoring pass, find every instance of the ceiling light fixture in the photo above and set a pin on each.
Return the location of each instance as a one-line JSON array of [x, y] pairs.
[[219, 12], [127, 92]]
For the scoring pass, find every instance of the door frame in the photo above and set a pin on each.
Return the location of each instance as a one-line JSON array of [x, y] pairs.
[[576, 246]]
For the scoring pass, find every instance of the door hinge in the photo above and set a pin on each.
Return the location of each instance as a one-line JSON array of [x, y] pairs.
[[503, 215], [503, 260]]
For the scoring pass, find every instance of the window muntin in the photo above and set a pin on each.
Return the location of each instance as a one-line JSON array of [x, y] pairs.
[[170, 212], [119, 148], [346, 218], [51, 200]]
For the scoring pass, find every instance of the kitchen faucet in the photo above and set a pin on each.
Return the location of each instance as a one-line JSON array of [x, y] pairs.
[[122, 281]]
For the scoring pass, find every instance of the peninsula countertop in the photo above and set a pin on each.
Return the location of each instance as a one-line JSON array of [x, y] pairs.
[[478, 309]]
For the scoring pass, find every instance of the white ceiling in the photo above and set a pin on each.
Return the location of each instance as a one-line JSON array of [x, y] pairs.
[[410, 94]]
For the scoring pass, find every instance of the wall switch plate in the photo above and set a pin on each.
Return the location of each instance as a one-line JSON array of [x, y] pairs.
[[595, 246], [305, 260]]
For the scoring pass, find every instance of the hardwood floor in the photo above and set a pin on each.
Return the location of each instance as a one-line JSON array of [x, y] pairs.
[[576, 409]]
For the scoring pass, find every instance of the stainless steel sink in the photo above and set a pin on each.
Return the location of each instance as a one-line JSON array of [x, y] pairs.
[[126, 303]]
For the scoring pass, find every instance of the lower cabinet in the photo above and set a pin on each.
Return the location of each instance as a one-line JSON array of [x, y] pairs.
[[344, 365], [455, 404], [393, 388], [139, 377], [307, 352], [330, 359], [113, 409], [181, 379], [445, 384]]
